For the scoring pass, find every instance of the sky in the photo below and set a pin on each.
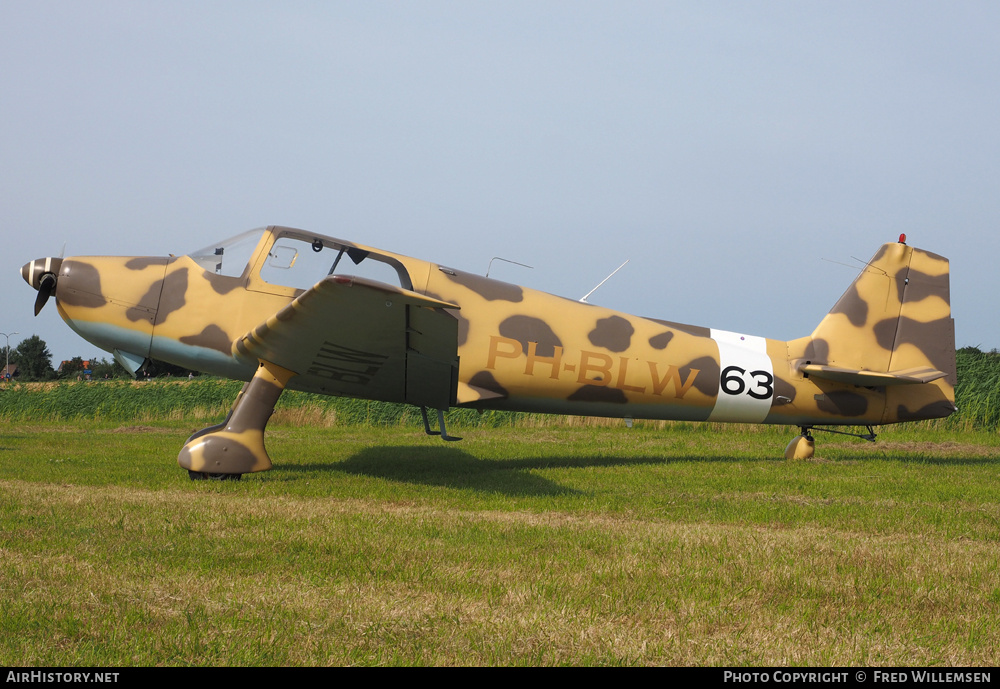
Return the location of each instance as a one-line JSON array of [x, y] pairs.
[[745, 157]]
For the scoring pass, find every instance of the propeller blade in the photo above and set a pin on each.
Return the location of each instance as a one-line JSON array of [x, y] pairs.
[[46, 285]]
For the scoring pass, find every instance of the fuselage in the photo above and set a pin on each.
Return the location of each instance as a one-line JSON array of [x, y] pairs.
[[517, 348]]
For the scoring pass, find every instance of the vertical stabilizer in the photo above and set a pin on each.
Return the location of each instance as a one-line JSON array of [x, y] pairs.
[[859, 330], [895, 317]]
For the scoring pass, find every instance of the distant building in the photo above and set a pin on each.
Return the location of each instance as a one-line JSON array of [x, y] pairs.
[[84, 372], [9, 372]]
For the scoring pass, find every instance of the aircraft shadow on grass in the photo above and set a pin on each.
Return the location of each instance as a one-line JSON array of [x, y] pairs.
[[453, 468], [450, 467]]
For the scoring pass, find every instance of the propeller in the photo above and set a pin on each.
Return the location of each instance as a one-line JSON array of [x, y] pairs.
[[42, 274]]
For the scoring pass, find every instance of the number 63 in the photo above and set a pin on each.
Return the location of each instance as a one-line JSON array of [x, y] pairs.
[[733, 383]]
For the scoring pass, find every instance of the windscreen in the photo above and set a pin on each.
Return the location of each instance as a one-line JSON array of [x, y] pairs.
[[229, 257]]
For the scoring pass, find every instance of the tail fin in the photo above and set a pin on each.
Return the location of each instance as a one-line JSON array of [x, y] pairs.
[[895, 320]]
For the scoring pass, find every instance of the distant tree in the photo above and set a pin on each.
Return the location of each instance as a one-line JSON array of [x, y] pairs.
[[72, 368], [33, 359]]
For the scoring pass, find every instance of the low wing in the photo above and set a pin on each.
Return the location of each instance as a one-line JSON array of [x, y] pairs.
[[361, 338], [910, 376]]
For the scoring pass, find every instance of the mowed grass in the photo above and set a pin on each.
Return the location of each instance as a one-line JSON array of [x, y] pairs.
[[578, 545]]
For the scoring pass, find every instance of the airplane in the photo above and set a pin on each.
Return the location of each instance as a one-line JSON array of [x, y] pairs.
[[279, 307]]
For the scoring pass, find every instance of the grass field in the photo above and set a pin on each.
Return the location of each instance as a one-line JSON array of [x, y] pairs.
[[571, 544]]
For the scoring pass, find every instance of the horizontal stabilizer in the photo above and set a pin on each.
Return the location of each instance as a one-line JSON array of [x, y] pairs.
[[909, 376]]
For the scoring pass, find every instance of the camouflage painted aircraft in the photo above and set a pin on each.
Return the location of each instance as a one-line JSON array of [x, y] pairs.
[[280, 307]]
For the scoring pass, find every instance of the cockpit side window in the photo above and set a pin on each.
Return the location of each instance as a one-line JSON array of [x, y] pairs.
[[300, 263]]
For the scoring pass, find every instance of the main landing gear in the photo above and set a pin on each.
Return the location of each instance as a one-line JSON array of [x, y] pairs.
[[235, 447], [803, 446]]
